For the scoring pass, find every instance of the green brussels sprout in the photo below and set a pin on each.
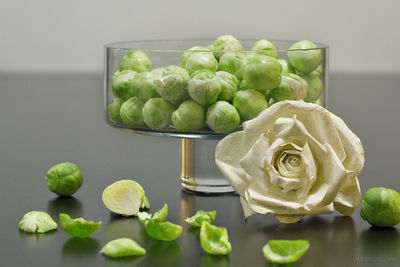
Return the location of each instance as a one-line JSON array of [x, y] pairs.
[[320, 103], [122, 84], [262, 73], [305, 56], [381, 207], [157, 72], [114, 109], [201, 60], [233, 62], [37, 222], [204, 87], [210, 47], [214, 240], [78, 227], [64, 179], [143, 86], [172, 84], [286, 66], [229, 85], [157, 113], [226, 43], [200, 217], [135, 60], [315, 87], [263, 44], [249, 103], [122, 247], [189, 52], [189, 117], [131, 112], [244, 85], [292, 87], [222, 117], [318, 71]]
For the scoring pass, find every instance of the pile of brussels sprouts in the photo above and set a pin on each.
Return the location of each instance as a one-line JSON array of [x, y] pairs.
[[219, 86]]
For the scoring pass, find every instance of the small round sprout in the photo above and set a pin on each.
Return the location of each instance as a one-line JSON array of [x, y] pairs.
[[204, 87], [210, 47], [307, 60], [243, 85], [122, 84], [143, 86], [131, 112], [157, 72], [64, 179], [262, 73], [229, 84], [201, 60], [222, 117], [135, 60], [189, 52], [233, 62], [37, 222], [189, 117], [263, 44], [381, 207], [172, 84], [315, 87], [249, 103], [292, 87], [226, 43], [318, 71], [114, 110], [286, 66], [78, 227], [157, 113]]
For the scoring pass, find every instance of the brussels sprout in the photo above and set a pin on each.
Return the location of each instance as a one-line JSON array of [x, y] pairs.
[[320, 103], [64, 179], [229, 85], [135, 60], [292, 87], [222, 117], [157, 113], [122, 84], [318, 71], [37, 222], [263, 44], [201, 60], [157, 72], [244, 85], [78, 227], [285, 251], [143, 86], [204, 87], [233, 62], [200, 217], [189, 117], [114, 110], [131, 112], [305, 56], [315, 87], [122, 247], [172, 84], [381, 207], [210, 47], [226, 43], [286, 66], [125, 197], [249, 103], [214, 240], [262, 73], [189, 52]]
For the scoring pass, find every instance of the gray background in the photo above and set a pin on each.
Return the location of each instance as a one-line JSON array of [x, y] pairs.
[[53, 35]]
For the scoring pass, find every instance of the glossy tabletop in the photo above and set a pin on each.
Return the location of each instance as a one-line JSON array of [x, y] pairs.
[[50, 118]]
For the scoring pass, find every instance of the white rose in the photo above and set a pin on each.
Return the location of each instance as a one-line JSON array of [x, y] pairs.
[[294, 159]]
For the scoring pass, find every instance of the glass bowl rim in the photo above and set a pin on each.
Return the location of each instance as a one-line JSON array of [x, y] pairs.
[[120, 45]]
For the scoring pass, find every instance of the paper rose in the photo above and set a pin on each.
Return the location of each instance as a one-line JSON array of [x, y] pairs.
[[294, 159]]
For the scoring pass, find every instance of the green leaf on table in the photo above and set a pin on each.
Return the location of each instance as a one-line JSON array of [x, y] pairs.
[[200, 217], [285, 251]]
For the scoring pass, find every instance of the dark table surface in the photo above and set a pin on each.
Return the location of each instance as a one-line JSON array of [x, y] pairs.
[[50, 118]]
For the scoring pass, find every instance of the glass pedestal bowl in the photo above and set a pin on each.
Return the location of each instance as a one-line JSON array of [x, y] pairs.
[[199, 173]]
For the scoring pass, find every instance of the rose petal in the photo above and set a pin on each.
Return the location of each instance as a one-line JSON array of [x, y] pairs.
[[349, 196]]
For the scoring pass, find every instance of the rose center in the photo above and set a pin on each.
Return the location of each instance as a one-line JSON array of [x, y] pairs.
[[290, 165]]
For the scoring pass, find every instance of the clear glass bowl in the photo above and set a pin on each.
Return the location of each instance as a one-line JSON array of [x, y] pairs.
[[198, 172]]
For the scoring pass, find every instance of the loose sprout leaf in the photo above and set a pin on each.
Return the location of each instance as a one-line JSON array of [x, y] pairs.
[[78, 227], [161, 215], [285, 251], [214, 240], [37, 222], [143, 216], [122, 247], [164, 231], [200, 217]]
